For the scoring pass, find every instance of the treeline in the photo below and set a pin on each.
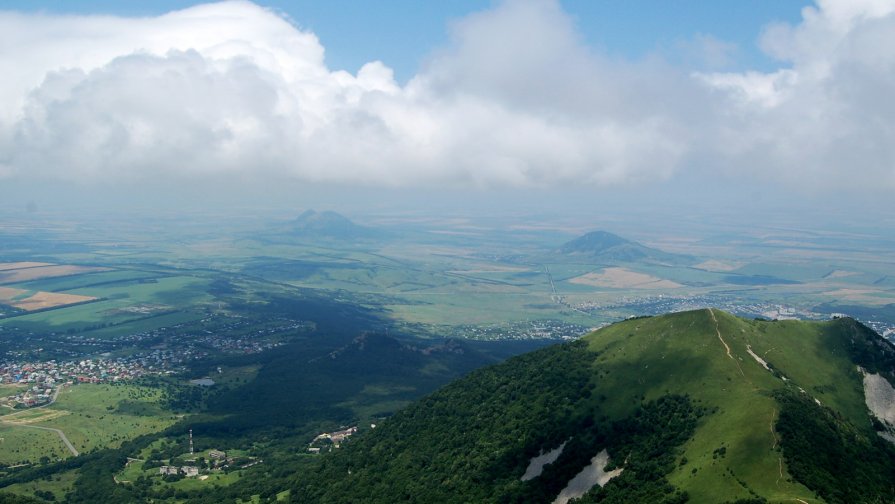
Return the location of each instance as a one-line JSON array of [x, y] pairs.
[[650, 443], [472, 440], [466, 442], [828, 454], [865, 347]]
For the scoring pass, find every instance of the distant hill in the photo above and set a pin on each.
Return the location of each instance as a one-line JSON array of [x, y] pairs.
[[699, 407], [384, 354], [328, 224], [609, 246], [370, 375]]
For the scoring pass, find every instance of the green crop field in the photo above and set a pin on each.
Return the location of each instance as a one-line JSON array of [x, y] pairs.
[[453, 307], [61, 284], [116, 303], [145, 323]]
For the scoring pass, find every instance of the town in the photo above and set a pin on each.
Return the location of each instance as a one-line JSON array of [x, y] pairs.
[[185, 341], [45, 378], [527, 330]]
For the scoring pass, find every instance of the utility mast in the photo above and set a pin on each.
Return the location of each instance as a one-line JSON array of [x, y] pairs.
[[191, 441]]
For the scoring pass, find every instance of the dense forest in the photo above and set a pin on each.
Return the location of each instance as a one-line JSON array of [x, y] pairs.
[[471, 441], [842, 463]]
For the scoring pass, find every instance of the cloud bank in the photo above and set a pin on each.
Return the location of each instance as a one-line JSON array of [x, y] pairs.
[[515, 99]]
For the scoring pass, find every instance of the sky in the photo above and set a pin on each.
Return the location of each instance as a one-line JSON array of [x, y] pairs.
[[402, 33], [760, 101]]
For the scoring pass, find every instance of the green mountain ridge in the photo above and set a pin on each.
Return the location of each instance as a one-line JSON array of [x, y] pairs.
[[698, 406]]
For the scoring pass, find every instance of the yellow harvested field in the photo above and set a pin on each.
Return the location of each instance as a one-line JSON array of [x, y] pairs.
[[871, 297], [491, 269], [841, 274], [37, 272], [713, 265], [42, 300], [621, 278], [20, 265], [28, 301], [8, 294]]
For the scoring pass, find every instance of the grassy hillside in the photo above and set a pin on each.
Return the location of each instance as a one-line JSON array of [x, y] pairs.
[[682, 403]]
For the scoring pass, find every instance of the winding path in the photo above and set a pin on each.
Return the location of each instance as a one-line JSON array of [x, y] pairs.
[[727, 348]]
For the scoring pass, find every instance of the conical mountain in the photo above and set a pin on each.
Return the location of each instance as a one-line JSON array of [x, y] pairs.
[[328, 224], [607, 246], [699, 407]]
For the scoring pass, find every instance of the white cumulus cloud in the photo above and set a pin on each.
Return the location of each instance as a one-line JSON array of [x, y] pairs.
[[826, 117], [516, 98]]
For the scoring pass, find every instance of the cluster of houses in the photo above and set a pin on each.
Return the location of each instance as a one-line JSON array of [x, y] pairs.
[[330, 439], [29, 398], [176, 345], [188, 471], [190, 341], [51, 373], [186, 342], [45, 377], [217, 461], [217, 458]]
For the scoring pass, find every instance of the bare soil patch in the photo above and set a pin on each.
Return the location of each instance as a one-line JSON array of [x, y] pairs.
[[536, 464], [880, 397], [591, 475]]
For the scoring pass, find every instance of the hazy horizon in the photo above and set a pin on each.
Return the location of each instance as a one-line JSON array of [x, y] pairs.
[[515, 106]]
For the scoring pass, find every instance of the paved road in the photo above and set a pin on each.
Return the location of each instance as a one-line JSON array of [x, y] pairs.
[[61, 434]]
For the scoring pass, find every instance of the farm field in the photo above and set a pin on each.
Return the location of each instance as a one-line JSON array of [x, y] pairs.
[[116, 303], [33, 301], [62, 284], [21, 264], [36, 271], [621, 278]]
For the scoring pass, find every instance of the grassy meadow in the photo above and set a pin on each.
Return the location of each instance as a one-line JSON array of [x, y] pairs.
[[642, 359]]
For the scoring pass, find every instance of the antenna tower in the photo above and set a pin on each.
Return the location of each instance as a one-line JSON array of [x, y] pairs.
[[191, 441]]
